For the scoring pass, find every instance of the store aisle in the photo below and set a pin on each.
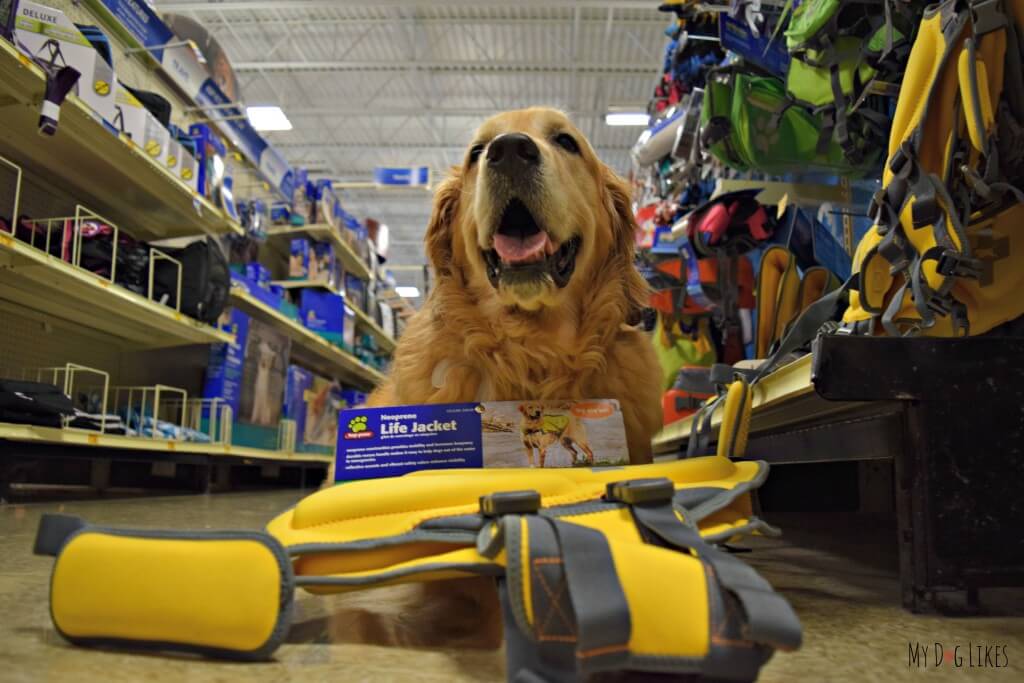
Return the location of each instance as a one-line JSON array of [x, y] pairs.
[[845, 593]]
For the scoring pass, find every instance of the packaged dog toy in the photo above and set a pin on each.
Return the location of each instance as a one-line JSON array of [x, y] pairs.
[[387, 442]]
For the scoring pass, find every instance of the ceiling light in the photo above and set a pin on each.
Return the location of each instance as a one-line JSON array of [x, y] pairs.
[[408, 292], [626, 118], [268, 118]]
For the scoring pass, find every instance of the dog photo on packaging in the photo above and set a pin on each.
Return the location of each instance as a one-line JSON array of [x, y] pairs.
[[263, 375], [553, 434]]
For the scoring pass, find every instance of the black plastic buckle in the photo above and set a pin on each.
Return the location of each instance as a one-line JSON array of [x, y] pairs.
[[510, 503], [640, 491], [941, 305], [952, 264], [987, 16]]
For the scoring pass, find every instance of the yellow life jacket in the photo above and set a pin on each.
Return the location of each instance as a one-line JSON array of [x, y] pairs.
[[598, 570], [554, 424], [946, 254]]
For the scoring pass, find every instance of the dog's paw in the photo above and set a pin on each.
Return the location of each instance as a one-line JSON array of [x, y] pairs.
[[357, 424]]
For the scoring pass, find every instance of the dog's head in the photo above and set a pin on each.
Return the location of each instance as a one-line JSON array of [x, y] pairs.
[[532, 410], [533, 214]]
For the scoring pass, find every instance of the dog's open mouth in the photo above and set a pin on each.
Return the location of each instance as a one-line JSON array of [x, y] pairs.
[[523, 251]]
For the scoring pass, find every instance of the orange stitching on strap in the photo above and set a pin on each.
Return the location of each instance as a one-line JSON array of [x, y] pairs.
[[554, 607], [605, 650]]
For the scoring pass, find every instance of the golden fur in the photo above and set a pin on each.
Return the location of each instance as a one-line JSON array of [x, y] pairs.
[[574, 343], [474, 342]]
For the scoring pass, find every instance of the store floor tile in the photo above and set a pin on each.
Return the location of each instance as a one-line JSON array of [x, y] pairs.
[[837, 570]]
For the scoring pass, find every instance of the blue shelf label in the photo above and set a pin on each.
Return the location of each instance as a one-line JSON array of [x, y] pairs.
[[406, 176]]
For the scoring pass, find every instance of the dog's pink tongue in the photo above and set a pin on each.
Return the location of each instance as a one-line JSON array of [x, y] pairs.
[[527, 250]]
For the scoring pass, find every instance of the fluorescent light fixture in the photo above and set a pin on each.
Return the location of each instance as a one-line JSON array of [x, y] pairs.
[[408, 292], [626, 118], [268, 118]]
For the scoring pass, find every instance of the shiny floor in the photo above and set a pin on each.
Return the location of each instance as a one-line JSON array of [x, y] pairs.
[[840, 576]]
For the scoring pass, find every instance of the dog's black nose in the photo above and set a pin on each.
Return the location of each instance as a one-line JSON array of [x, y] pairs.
[[513, 154]]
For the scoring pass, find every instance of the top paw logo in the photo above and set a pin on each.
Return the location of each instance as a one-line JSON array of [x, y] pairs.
[[357, 428]]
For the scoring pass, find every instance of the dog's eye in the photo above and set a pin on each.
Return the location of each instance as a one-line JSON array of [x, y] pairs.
[[474, 153], [567, 142]]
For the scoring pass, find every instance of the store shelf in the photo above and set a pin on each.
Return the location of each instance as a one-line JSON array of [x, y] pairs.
[[33, 279], [397, 302], [322, 231], [363, 320], [775, 396], [75, 437], [309, 348], [110, 175]]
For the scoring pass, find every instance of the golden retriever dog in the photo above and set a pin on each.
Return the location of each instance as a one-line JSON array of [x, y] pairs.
[[542, 426], [531, 240]]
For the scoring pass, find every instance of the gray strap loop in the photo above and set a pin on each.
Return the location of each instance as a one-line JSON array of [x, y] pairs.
[[769, 618], [602, 613]]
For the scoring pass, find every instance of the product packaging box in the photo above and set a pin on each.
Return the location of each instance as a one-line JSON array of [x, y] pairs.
[[49, 36], [355, 291], [135, 121], [348, 330], [173, 161], [251, 287], [387, 442], [211, 162], [261, 393], [224, 371], [298, 259], [324, 266], [258, 273], [314, 402], [387, 318], [188, 168], [323, 313]]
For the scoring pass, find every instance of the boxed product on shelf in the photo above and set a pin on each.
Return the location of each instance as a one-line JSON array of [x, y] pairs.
[[298, 259], [323, 313], [303, 201], [313, 403], [262, 387], [46, 34], [174, 157], [135, 121], [225, 367], [387, 318], [253, 288], [211, 161], [188, 168], [390, 441], [348, 327], [258, 273], [355, 291], [324, 266], [325, 199]]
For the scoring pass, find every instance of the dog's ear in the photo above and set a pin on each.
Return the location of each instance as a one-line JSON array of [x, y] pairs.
[[624, 230], [439, 231], [522, 408]]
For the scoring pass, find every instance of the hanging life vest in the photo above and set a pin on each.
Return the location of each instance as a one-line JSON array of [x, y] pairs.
[[946, 254]]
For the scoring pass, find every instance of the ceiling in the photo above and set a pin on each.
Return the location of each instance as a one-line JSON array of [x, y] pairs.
[[406, 82]]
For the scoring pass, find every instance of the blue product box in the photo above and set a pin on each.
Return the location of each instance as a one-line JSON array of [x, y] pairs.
[[323, 313], [323, 265], [264, 295], [210, 157], [355, 291], [353, 398], [297, 383], [388, 442], [224, 371], [280, 214], [761, 50], [258, 273], [298, 259], [348, 330]]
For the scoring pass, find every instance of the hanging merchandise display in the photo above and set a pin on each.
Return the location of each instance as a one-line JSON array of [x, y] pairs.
[[943, 258]]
